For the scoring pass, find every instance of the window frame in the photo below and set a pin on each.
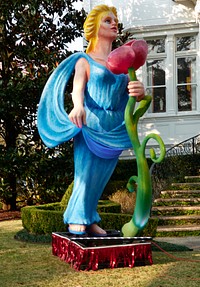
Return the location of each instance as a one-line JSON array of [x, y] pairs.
[[193, 53], [170, 56], [157, 56]]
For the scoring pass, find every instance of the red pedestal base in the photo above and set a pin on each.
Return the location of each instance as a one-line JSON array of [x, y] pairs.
[[93, 253]]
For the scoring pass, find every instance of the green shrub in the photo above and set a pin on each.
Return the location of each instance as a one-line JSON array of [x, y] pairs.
[[108, 206], [117, 220], [49, 206], [42, 220], [46, 219], [125, 169]]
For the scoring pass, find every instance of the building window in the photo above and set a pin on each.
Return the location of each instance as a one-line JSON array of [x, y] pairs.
[[186, 73], [172, 84], [156, 84]]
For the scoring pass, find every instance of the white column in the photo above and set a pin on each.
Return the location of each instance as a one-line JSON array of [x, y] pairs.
[[171, 94], [197, 12]]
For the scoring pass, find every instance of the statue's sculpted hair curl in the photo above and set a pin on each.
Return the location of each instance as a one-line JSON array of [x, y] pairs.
[[92, 24]]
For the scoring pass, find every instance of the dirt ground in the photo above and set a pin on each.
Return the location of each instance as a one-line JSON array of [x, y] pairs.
[[9, 215]]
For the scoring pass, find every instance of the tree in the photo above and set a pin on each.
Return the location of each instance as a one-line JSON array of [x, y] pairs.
[[33, 41]]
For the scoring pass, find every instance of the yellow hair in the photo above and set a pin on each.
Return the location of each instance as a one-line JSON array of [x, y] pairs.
[[92, 24]]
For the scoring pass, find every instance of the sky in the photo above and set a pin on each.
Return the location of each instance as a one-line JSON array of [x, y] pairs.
[[78, 43]]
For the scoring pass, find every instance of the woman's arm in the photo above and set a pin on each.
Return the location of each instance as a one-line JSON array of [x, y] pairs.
[[77, 114]]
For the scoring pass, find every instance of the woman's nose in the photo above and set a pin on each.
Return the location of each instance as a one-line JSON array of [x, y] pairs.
[[114, 23]]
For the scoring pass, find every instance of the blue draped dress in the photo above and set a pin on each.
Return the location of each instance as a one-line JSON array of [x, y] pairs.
[[98, 144]]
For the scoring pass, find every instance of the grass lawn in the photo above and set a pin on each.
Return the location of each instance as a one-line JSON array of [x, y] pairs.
[[31, 265]]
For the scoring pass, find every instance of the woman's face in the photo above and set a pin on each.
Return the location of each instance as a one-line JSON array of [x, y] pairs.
[[108, 27]]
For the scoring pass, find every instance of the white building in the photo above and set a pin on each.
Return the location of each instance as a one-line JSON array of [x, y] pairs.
[[172, 71]]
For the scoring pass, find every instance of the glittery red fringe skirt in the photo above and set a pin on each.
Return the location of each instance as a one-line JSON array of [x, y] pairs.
[[95, 253]]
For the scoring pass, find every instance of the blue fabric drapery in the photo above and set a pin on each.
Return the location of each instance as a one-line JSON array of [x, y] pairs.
[[55, 127]]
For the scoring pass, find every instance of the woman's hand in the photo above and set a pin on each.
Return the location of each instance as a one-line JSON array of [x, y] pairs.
[[78, 116], [136, 89]]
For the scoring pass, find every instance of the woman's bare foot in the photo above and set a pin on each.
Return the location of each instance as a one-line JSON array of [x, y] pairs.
[[95, 229], [77, 228]]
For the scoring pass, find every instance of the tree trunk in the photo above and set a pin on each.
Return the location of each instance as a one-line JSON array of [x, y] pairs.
[[12, 200], [10, 139]]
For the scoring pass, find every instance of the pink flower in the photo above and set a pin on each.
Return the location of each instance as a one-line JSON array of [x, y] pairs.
[[131, 55]]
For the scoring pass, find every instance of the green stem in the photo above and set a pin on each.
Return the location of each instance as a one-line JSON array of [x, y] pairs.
[[144, 187], [132, 74], [131, 125]]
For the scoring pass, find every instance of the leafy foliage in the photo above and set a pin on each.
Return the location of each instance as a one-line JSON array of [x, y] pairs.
[[48, 218], [33, 41]]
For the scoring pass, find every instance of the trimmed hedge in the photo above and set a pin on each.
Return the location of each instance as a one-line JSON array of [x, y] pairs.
[[108, 206], [117, 220], [43, 219], [48, 218]]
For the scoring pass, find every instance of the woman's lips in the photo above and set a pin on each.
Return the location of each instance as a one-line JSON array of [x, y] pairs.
[[114, 29]]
